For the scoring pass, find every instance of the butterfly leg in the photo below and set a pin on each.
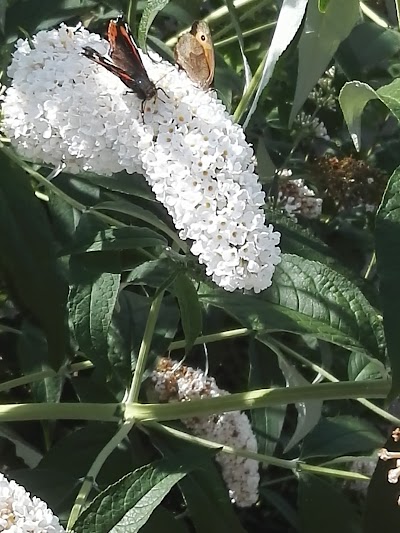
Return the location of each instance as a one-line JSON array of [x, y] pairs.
[[142, 105]]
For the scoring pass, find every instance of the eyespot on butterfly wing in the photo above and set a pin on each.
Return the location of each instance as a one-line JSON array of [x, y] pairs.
[[194, 53]]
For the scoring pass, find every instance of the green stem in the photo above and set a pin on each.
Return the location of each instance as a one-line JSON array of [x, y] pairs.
[[334, 472], [24, 380], [251, 13], [131, 14], [87, 485], [145, 348], [105, 412], [212, 17], [368, 12], [82, 365], [163, 412], [248, 33], [370, 266], [282, 463], [260, 398], [293, 464], [248, 95], [366, 403], [276, 481], [215, 337], [126, 427], [38, 376], [85, 365], [397, 4], [8, 329]]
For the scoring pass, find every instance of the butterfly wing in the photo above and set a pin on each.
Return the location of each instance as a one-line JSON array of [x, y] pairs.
[[202, 33], [125, 55], [194, 53], [105, 62], [189, 55], [92, 54]]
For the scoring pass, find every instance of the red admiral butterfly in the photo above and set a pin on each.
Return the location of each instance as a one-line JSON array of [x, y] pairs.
[[124, 61]]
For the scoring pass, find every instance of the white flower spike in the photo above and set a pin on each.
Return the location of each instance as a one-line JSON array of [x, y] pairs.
[[21, 513], [63, 108], [174, 382]]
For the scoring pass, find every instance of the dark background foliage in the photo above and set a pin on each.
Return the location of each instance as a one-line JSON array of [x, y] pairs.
[[68, 305]]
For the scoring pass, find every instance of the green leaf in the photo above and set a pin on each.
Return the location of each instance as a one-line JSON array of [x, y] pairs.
[[53, 487], [307, 298], [387, 238], [341, 435], [91, 304], [127, 505], [355, 95], [322, 5], [319, 293], [125, 333], [94, 387], [23, 449], [3, 9], [323, 507], [132, 184], [202, 488], [265, 373], [280, 503], [367, 47], [129, 322], [28, 259], [308, 412], [165, 521], [190, 309], [319, 40], [90, 440], [118, 239], [43, 14], [33, 357], [298, 240], [153, 273], [152, 8], [289, 21], [362, 368], [135, 211], [64, 219], [239, 36], [265, 165]]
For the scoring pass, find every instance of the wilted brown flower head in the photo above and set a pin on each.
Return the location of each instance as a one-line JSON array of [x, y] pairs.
[[349, 182]]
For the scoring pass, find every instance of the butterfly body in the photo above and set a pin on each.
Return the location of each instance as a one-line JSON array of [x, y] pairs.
[[124, 60], [194, 53]]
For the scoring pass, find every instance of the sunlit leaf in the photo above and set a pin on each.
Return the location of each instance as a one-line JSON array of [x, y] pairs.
[[289, 21], [323, 31]]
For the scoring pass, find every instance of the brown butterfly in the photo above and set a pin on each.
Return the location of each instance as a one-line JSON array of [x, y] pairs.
[[194, 53]]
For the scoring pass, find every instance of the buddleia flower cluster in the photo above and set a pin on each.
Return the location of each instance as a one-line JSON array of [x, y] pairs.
[[62, 108], [21, 513], [311, 126], [324, 94], [175, 382], [349, 183], [296, 198]]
